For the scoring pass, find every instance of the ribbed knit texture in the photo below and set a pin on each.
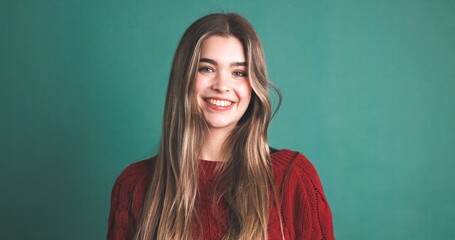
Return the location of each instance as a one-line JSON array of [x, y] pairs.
[[306, 213]]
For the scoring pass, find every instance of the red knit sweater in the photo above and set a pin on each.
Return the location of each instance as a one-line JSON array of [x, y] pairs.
[[306, 213]]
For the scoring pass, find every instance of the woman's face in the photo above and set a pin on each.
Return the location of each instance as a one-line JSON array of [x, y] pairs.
[[222, 86]]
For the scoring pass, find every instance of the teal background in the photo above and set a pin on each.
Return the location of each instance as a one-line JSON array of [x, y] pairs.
[[368, 96]]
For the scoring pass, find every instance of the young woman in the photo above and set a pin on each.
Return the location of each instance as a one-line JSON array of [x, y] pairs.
[[215, 176]]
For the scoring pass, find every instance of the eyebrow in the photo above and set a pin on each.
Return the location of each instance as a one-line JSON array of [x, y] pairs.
[[211, 61]]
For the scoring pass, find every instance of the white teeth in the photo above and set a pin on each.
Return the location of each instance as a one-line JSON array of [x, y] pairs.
[[221, 103]]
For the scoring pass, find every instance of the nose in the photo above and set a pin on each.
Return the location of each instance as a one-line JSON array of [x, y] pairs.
[[221, 82]]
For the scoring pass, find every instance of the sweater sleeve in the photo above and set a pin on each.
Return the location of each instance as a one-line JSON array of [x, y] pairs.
[[119, 225], [308, 212], [126, 200]]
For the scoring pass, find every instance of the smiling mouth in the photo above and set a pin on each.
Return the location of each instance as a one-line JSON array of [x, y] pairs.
[[219, 103]]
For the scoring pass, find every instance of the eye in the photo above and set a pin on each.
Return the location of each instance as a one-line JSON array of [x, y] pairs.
[[240, 74], [206, 69]]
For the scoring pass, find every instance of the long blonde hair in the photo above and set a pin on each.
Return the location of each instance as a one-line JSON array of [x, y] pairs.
[[246, 174]]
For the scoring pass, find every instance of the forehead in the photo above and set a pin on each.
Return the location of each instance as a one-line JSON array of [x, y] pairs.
[[223, 49]]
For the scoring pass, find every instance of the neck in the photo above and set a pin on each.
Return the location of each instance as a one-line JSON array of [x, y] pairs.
[[213, 144]]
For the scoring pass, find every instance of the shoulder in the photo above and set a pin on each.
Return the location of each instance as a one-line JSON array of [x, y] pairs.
[[294, 172], [131, 186], [305, 209], [132, 183], [135, 173], [126, 198], [290, 162]]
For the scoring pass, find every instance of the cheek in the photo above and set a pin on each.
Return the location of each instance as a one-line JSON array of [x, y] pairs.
[[198, 86], [246, 92], [197, 91]]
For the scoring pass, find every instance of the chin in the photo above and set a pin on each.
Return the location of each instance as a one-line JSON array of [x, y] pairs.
[[221, 125]]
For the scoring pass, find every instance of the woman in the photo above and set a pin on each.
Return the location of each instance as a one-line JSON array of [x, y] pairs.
[[215, 176]]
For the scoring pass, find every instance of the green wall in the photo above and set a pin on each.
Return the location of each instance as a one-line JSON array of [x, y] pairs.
[[368, 96]]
